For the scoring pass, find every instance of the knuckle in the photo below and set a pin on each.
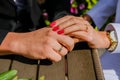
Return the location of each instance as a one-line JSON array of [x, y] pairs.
[[47, 42], [78, 25], [74, 20], [69, 16], [40, 54], [43, 57], [87, 22], [46, 50], [34, 56], [71, 44], [50, 33]]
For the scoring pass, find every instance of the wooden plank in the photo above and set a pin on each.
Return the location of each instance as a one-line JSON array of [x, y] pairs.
[[5, 62], [97, 65], [80, 65], [101, 51], [55, 71], [26, 69]]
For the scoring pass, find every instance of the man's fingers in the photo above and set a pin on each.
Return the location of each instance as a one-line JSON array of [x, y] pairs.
[[53, 55], [66, 41], [60, 49], [76, 40], [81, 35]]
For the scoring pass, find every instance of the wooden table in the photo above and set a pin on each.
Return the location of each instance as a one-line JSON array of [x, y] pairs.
[[81, 64]]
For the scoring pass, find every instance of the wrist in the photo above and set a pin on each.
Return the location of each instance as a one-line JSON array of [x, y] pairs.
[[107, 39], [105, 42], [6, 43]]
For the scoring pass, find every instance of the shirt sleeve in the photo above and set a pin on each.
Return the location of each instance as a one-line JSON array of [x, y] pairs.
[[116, 28], [102, 11]]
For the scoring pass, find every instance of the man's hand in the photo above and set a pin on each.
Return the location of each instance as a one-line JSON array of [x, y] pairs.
[[40, 44]]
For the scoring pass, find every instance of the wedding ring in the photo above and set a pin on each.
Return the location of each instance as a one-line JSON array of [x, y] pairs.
[[86, 28], [60, 49]]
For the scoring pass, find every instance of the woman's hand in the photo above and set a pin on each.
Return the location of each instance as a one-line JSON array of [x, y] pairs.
[[80, 30]]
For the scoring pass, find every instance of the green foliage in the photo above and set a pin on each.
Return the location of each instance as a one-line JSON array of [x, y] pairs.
[[24, 79], [80, 7], [12, 75], [42, 78], [91, 3], [8, 75]]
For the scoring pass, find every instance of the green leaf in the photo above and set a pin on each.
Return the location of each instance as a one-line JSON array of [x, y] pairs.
[[15, 78], [47, 22], [8, 75], [25, 79], [42, 78], [96, 28]]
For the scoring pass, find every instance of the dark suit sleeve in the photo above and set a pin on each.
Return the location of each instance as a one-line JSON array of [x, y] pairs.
[[7, 17], [6, 25], [23, 15], [57, 8], [3, 33]]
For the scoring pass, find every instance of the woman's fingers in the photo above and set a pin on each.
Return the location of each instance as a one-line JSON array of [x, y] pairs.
[[66, 21], [71, 21], [69, 24], [61, 20]]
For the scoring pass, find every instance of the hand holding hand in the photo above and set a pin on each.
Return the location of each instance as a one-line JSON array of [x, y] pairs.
[[39, 44], [80, 30]]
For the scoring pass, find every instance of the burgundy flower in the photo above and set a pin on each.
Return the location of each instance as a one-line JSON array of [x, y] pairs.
[[82, 6], [45, 14], [74, 10], [71, 1]]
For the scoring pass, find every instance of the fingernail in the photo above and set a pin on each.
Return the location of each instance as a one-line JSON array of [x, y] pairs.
[[52, 24], [60, 32], [55, 28]]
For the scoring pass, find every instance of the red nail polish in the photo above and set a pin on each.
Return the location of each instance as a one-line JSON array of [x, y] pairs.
[[52, 24], [60, 32], [55, 28]]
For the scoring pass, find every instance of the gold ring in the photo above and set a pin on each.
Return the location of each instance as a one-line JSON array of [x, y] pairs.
[[60, 49], [86, 28]]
